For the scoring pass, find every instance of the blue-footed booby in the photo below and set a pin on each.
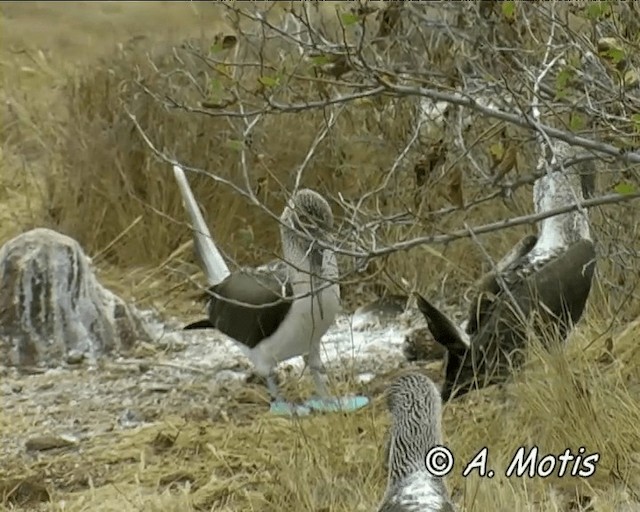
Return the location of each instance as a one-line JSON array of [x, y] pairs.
[[547, 277], [280, 310], [415, 406]]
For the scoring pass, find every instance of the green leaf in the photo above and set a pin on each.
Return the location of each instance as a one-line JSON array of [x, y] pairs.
[[635, 119], [221, 68], [625, 188], [349, 19], [321, 60], [595, 10], [497, 150], [269, 81], [236, 145], [508, 9], [563, 78], [245, 236], [216, 48], [576, 122], [615, 54], [215, 88], [574, 61]]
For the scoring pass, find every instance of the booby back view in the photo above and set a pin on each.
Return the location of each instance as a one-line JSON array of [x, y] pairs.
[[416, 409]]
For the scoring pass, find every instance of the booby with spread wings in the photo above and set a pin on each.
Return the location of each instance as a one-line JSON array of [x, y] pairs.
[[547, 277]]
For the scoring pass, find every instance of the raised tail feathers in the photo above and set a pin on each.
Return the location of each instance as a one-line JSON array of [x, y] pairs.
[[200, 324], [213, 263], [444, 331]]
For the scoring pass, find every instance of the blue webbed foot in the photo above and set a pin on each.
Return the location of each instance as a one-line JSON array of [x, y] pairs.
[[341, 404], [281, 408]]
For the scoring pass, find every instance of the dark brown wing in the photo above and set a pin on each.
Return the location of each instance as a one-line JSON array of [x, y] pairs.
[[489, 286], [564, 283], [200, 324], [250, 306], [558, 290]]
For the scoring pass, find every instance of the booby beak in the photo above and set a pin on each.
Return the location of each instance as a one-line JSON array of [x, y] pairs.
[[316, 250], [316, 256]]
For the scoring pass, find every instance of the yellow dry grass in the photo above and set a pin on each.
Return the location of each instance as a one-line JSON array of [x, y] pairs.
[[71, 160]]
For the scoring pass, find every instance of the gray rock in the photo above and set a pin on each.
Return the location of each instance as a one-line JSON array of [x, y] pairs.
[[52, 307], [419, 345], [130, 419], [50, 442]]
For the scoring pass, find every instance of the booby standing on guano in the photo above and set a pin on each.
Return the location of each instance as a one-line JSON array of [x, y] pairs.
[[545, 278], [280, 310], [416, 409]]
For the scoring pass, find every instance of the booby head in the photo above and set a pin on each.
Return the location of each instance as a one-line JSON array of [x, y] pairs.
[[306, 218], [415, 406]]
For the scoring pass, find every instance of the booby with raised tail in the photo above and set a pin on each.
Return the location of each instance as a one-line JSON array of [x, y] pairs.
[[282, 309]]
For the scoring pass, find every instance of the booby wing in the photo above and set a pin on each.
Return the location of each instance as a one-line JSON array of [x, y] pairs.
[[563, 283], [489, 285], [560, 283], [249, 305], [556, 290]]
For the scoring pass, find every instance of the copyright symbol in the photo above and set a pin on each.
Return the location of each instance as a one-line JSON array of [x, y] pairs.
[[439, 461]]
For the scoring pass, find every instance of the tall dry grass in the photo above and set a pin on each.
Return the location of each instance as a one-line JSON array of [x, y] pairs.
[[111, 193]]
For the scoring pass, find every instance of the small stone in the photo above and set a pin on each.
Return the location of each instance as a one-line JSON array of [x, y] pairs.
[[16, 388], [75, 357], [130, 419], [419, 345], [50, 442], [171, 343], [158, 387], [365, 378]]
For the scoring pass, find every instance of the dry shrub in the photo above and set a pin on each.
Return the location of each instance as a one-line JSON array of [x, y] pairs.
[[112, 194], [109, 177], [110, 187], [118, 200], [22, 192]]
